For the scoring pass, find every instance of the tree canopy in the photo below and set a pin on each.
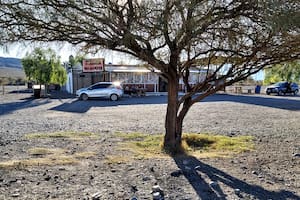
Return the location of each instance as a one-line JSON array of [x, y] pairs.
[[172, 36], [44, 67], [283, 72]]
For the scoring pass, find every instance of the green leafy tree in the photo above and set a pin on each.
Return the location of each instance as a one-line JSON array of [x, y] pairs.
[[77, 59], [59, 75], [44, 67], [283, 72], [171, 36]]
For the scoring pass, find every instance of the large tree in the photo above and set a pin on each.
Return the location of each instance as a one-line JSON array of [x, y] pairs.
[[43, 66], [230, 39]]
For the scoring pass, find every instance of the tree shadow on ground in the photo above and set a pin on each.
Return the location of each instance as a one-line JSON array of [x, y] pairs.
[[21, 91], [6, 108], [280, 102], [59, 94], [206, 181], [77, 106]]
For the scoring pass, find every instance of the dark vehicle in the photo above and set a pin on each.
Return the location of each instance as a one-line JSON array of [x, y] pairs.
[[282, 88]]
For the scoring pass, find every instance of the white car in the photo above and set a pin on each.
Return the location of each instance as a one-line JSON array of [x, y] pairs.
[[111, 90]]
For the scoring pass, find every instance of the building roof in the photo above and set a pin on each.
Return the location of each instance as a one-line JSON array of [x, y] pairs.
[[142, 69]]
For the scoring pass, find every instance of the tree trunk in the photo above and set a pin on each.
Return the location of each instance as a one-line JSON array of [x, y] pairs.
[[173, 126]]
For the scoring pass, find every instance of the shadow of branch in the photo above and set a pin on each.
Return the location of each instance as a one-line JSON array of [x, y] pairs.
[[206, 181]]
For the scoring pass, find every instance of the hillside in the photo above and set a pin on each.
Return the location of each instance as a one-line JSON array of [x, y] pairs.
[[11, 72], [10, 62], [11, 68]]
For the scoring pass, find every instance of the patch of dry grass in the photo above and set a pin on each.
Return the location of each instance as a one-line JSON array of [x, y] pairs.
[[41, 151], [68, 135], [116, 159], [48, 160], [45, 161], [44, 156], [217, 143], [199, 145], [87, 154]]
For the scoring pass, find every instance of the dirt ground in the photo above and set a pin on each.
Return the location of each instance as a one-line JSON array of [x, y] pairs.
[[96, 168]]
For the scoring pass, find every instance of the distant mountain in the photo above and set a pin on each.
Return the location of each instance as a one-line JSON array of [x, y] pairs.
[[10, 62], [11, 68]]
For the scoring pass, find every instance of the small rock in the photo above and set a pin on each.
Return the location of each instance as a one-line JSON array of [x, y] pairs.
[[197, 167], [134, 188], [213, 183], [156, 188], [152, 169], [237, 191], [96, 196], [131, 169], [13, 180], [146, 178], [269, 182], [157, 196], [47, 178], [254, 172], [176, 173], [15, 195], [296, 155]]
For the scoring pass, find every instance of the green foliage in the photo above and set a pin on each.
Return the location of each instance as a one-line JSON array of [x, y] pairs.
[[77, 59], [59, 75], [44, 67], [283, 72]]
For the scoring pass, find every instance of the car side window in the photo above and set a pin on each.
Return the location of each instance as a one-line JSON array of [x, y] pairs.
[[100, 86], [96, 87], [105, 85]]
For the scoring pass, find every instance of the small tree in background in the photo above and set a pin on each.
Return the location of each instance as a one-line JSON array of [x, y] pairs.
[[44, 67], [283, 72]]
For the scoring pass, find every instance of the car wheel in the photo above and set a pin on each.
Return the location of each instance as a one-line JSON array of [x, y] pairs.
[[114, 97], [280, 93], [268, 93], [296, 92], [84, 97]]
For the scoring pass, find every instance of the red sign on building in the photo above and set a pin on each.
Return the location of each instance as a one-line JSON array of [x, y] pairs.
[[93, 65]]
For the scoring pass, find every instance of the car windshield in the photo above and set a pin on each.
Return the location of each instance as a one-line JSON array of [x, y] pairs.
[[279, 84]]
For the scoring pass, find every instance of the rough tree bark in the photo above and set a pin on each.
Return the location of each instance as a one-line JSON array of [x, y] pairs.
[[172, 140]]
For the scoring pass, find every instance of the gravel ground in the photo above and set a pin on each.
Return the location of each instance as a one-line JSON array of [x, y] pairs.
[[272, 171]]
